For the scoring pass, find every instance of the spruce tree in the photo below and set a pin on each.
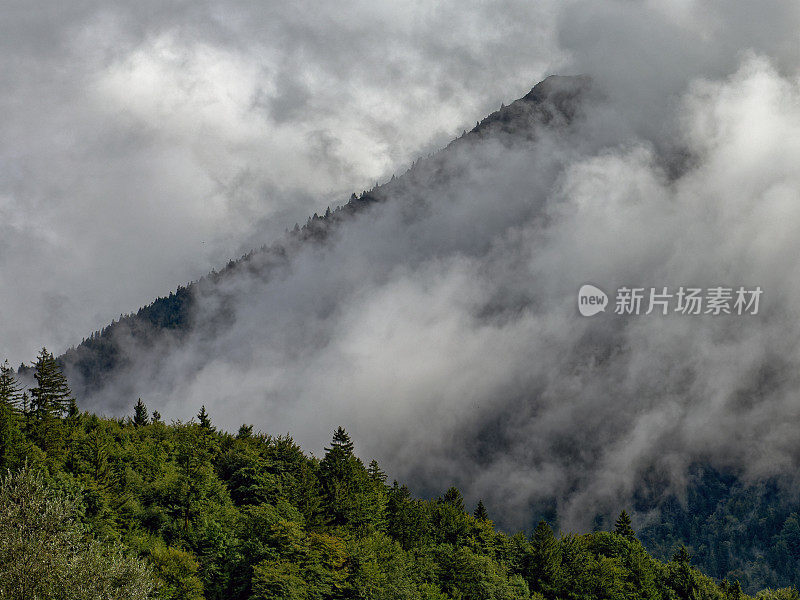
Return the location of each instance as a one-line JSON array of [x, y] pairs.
[[10, 401], [454, 498], [10, 389], [140, 415], [623, 526], [375, 472], [51, 400], [204, 419], [51, 397], [341, 445], [543, 570], [349, 496], [480, 512], [338, 474]]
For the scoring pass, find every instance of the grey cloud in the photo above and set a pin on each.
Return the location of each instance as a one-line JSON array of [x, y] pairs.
[[440, 327], [136, 143]]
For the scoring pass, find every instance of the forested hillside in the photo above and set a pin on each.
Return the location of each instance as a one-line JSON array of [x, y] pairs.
[[743, 530], [133, 507]]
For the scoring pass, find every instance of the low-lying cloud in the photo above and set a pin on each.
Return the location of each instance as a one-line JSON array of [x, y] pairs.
[[440, 327]]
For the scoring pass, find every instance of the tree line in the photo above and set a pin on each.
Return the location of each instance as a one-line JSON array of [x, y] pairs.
[[133, 507]]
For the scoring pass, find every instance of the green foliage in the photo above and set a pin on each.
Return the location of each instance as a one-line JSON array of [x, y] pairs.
[[250, 516], [51, 399], [352, 496], [45, 552], [11, 440], [623, 526], [140, 416], [741, 532], [203, 418], [480, 512], [177, 570]]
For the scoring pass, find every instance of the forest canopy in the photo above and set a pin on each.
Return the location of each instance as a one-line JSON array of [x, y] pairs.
[[94, 507]]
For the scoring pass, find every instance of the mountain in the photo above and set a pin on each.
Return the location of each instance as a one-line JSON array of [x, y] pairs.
[[552, 102], [435, 313]]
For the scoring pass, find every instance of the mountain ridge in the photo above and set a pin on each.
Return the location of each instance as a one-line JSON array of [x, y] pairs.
[[87, 364], [710, 522]]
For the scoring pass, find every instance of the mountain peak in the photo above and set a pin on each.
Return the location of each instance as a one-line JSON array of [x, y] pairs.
[[557, 97]]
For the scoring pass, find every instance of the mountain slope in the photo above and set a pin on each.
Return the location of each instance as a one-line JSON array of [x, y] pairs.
[[435, 316], [167, 319]]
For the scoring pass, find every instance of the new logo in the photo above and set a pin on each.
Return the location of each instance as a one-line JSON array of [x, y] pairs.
[[591, 300]]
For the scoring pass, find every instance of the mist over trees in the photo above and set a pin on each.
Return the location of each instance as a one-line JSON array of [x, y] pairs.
[[433, 314], [472, 306], [132, 508]]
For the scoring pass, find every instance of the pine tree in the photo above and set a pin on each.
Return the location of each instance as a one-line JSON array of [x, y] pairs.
[[10, 390], [349, 496], [375, 472], [140, 415], [623, 526], [341, 445], [544, 567], [156, 418], [52, 396], [51, 400], [480, 512], [454, 498], [204, 419], [10, 400]]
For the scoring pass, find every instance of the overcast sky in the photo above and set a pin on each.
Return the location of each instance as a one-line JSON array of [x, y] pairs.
[[143, 143]]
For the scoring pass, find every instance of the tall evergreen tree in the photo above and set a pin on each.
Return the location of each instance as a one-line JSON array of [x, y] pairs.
[[623, 526], [51, 397], [349, 495], [10, 389], [375, 472], [454, 498], [480, 512], [51, 400], [10, 414], [140, 415], [204, 419], [341, 445], [543, 569]]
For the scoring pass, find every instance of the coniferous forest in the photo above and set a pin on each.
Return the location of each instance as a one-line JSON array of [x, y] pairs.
[[92, 507]]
